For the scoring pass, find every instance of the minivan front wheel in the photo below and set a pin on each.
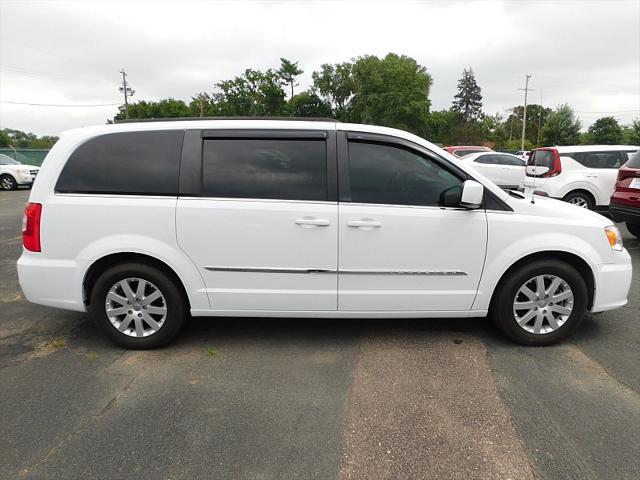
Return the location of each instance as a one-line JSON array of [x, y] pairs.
[[137, 306], [540, 303]]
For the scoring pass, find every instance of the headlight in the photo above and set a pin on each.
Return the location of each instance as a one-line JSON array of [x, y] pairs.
[[614, 237]]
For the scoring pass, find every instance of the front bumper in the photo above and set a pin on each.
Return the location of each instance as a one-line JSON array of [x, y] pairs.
[[613, 281], [624, 213]]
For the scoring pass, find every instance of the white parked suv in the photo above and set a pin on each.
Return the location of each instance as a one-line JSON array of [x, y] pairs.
[[14, 174], [144, 224], [584, 175]]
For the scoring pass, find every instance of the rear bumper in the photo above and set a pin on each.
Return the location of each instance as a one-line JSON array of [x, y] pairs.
[[613, 281], [50, 282], [624, 213]]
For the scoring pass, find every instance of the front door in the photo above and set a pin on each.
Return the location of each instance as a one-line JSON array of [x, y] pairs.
[[262, 230], [399, 250]]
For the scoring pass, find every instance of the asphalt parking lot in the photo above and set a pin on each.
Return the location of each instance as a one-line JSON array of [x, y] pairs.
[[326, 399]]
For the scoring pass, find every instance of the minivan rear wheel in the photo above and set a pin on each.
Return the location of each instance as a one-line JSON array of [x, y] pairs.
[[540, 303], [137, 306]]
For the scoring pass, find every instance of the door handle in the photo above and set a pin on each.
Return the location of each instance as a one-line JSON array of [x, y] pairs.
[[364, 224], [310, 222]]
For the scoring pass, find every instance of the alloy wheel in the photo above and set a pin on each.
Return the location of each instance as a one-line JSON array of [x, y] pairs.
[[136, 307], [543, 304], [579, 202]]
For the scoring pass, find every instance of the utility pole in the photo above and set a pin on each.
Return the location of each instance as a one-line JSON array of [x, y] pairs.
[[539, 121], [128, 92], [524, 116], [201, 105]]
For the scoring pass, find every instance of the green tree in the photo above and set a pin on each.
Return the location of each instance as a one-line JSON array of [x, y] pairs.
[[536, 116], [308, 104], [335, 84], [391, 91], [19, 139], [606, 131], [439, 126], [562, 127], [631, 133], [288, 72], [468, 101], [166, 108], [254, 93]]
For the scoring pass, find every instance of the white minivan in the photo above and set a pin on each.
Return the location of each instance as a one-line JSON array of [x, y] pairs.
[[143, 224]]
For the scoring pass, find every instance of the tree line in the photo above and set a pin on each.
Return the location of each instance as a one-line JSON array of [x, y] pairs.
[[18, 139], [391, 91]]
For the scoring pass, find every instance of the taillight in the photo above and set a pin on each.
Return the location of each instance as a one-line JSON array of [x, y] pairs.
[[628, 173], [557, 166], [31, 227]]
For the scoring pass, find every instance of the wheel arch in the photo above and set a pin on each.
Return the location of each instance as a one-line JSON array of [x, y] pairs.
[[572, 259], [102, 264], [582, 190]]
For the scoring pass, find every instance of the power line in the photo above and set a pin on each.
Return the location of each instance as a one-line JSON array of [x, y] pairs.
[[59, 104]]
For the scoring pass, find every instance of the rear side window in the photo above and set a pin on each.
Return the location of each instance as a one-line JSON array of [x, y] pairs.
[[510, 160], [488, 159], [464, 153], [144, 163], [612, 159], [542, 158], [390, 175], [265, 168]]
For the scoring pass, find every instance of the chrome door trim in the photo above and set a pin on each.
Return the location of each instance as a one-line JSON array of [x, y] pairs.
[[269, 270], [346, 272], [405, 272]]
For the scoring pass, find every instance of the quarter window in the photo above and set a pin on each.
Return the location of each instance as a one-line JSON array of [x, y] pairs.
[[391, 175], [265, 168], [142, 163]]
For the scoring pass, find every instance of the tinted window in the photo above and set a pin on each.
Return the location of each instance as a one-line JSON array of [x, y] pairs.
[[391, 175], [488, 159], [542, 158], [613, 159], [462, 153], [510, 160], [276, 169], [634, 161], [128, 162]]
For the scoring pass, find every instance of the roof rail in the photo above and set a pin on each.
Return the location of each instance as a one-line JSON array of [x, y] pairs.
[[194, 119]]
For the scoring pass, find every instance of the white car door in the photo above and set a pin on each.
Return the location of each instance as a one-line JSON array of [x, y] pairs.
[[489, 165], [399, 250], [602, 172], [513, 170], [262, 229]]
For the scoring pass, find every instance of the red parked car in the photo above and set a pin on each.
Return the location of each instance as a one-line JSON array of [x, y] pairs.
[[461, 151], [625, 201]]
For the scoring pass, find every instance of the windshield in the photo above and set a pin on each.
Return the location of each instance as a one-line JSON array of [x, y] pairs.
[[6, 160]]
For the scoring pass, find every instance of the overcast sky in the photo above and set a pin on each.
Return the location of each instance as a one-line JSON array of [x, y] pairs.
[[585, 53]]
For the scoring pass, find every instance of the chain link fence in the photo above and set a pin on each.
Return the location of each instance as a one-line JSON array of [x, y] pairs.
[[28, 156]]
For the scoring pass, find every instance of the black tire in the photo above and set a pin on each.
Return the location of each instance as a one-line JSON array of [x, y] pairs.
[[634, 229], [502, 312], [7, 182], [580, 195], [175, 303]]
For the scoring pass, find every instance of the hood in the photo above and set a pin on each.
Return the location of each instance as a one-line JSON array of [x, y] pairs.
[[557, 209]]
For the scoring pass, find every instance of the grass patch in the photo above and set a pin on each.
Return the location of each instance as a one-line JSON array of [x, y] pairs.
[[58, 343], [211, 352], [92, 355]]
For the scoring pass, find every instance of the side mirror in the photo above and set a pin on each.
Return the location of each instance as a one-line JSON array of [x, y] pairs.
[[472, 194], [536, 171]]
